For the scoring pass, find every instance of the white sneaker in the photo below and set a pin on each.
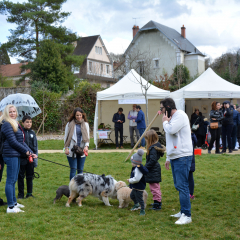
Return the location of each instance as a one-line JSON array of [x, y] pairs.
[[183, 220], [177, 215], [14, 210], [19, 205]]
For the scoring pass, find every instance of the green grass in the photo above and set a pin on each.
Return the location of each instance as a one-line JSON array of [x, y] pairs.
[[215, 210], [59, 144]]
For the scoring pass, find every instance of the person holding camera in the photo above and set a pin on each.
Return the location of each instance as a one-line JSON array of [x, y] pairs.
[[179, 154], [13, 147], [76, 134]]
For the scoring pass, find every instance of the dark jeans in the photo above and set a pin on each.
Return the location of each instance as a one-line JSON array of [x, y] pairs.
[[141, 131], [29, 170], [234, 136], [137, 197], [180, 171], [215, 136], [13, 165], [131, 130], [2, 167], [226, 133], [201, 140], [121, 136], [76, 163], [191, 183]]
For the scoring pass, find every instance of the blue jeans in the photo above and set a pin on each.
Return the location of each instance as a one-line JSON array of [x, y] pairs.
[[76, 163], [180, 171], [13, 166], [141, 131]]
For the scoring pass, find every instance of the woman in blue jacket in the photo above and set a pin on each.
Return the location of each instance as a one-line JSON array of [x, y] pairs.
[[13, 147]]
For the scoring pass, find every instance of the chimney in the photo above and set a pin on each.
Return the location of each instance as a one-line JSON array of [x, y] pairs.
[[183, 31], [135, 30]]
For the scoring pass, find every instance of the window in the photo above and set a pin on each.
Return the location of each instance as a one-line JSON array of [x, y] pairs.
[[108, 85], [141, 67], [156, 63], [107, 66], [90, 66], [98, 50], [75, 69], [101, 68]]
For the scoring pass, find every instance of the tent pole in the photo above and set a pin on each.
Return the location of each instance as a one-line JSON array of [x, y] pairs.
[[141, 137]]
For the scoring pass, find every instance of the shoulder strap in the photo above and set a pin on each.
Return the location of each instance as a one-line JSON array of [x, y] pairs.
[[196, 121]]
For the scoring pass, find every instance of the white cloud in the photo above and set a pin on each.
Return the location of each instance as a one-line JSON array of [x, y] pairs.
[[117, 45]]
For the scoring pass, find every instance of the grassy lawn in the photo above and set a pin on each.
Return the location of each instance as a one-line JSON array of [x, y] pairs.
[[59, 144], [215, 210]]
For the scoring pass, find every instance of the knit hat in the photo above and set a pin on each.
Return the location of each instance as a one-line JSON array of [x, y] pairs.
[[137, 157]]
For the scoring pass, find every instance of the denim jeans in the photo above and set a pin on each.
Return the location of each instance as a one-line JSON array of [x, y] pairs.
[[180, 171], [141, 131], [76, 163], [234, 136], [13, 165]]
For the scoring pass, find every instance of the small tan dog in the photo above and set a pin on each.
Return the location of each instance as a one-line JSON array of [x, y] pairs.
[[123, 194]]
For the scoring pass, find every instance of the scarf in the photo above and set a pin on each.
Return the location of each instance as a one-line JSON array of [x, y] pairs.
[[71, 127]]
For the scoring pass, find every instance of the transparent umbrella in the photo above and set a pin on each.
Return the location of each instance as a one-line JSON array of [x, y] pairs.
[[25, 104]]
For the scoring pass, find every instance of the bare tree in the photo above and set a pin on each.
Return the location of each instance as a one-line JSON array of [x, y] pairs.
[[146, 64]]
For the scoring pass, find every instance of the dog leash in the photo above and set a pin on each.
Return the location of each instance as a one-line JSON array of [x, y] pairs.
[[62, 165]]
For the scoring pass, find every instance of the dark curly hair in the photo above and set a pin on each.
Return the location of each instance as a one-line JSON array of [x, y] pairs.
[[78, 109]]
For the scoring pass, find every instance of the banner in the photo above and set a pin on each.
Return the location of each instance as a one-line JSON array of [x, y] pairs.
[[131, 101]]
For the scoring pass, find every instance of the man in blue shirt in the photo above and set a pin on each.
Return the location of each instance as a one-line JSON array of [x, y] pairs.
[[141, 125], [119, 119]]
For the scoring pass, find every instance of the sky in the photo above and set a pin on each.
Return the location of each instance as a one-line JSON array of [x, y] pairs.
[[213, 26]]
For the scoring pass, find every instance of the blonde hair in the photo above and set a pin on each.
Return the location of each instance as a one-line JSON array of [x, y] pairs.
[[5, 116], [151, 138]]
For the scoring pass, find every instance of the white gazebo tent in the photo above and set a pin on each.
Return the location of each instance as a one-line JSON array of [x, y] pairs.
[[126, 91], [201, 91]]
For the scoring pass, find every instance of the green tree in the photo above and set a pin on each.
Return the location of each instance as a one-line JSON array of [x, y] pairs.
[[4, 58], [49, 69], [36, 20], [181, 75]]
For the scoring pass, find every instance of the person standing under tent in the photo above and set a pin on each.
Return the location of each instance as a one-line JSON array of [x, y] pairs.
[[132, 115], [119, 119], [141, 125]]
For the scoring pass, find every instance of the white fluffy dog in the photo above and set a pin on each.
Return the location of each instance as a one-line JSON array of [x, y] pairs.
[[123, 194]]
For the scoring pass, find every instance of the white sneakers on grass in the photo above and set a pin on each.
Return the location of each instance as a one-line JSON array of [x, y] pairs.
[[183, 219], [16, 208]]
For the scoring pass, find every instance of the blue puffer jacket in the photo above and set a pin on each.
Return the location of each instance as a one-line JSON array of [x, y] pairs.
[[14, 144]]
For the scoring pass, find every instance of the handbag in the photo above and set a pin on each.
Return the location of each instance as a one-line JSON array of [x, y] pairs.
[[195, 126], [214, 125]]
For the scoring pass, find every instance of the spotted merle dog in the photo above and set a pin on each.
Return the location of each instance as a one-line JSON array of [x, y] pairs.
[[100, 186]]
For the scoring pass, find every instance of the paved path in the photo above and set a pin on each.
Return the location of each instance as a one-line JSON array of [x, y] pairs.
[[117, 150]]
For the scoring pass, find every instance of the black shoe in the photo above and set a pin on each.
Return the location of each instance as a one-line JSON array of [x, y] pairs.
[[230, 151], [209, 151], [2, 203], [20, 197], [156, 206], [27, 196], [223, 151], [235, 149]]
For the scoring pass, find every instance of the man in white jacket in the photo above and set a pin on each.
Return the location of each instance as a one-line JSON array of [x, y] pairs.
[[179, 154]]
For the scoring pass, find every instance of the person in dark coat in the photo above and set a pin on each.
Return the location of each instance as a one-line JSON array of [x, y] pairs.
[[216, 116], [154, 151], [192, 168], [119, 119], [227, 126], [13, 147], [238, 131], [235, 128], [200, 133], [27, 167]]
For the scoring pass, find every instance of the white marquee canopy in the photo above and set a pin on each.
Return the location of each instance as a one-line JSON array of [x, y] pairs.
[[207, 85], [127, 89]]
